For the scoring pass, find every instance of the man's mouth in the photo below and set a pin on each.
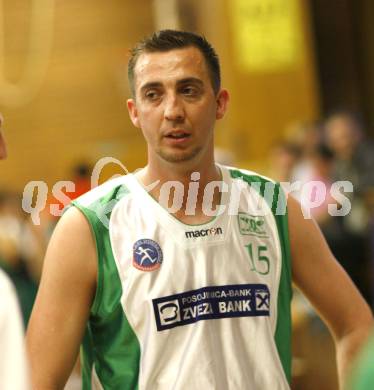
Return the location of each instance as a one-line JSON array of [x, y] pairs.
[[177, 135]]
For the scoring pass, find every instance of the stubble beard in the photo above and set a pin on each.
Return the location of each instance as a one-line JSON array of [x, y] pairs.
[[181, 156]]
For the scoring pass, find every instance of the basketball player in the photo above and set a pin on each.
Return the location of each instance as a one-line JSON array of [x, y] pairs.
[[173, 285], [13, 366]]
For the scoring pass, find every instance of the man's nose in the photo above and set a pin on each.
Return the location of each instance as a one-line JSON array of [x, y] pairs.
[[174, 109]]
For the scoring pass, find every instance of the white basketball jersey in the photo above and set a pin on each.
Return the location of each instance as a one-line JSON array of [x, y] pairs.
[[190, 307]]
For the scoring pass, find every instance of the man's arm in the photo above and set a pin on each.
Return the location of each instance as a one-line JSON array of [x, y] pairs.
[[328, 287], [63, 302]]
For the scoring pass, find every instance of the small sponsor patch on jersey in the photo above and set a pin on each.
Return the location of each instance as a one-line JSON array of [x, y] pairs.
[[204, 232], [147, 255], [253, 225], [213, 302]]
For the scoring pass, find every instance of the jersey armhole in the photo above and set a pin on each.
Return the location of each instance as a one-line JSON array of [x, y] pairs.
[[91, 219]]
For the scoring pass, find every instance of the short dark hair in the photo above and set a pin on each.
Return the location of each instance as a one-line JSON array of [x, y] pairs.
[[166, 40]]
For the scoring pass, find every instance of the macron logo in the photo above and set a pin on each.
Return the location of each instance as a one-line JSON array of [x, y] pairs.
[[203, 232]]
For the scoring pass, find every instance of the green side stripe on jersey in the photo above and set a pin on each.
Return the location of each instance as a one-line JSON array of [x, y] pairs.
[[362, 375], [110, 345], [283, 327]]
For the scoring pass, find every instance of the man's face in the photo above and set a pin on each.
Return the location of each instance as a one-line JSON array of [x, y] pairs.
[[341, 136], [2, 142], [175, 104]]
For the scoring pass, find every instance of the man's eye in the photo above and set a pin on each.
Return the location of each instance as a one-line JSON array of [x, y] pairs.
[[190, 91], [152, 95]]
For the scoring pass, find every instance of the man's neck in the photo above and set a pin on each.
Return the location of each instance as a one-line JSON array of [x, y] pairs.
[[159, 183]]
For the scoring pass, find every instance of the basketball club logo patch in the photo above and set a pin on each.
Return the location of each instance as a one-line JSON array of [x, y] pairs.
[[147, 255]]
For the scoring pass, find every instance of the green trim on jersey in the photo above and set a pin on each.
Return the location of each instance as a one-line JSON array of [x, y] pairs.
[[110, 345], [277, 203], [362, 375]]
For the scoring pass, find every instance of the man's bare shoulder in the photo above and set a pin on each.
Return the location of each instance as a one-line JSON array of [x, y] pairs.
[[72, 247], [72, 221]]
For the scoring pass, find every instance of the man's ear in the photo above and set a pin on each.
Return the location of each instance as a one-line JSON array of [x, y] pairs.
[[133, 112], [222, 103]]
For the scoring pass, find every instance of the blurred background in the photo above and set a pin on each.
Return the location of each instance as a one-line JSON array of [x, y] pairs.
[[301, 78]]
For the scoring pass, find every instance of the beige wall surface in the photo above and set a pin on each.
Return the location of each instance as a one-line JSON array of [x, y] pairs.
[[263, 103], [63, 84], [78, 111]]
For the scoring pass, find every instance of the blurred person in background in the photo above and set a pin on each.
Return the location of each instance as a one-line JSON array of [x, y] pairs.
[[81, 179], [354, 161], [344, 244], [354, 154], [13, 363], [305, 138], [321, 160], [122, 283], [354, 151], [283, 158], [20, 257]]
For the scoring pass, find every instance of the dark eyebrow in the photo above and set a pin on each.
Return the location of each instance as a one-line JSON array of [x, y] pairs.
[[153, 84], [191, 80], [187, 80]]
